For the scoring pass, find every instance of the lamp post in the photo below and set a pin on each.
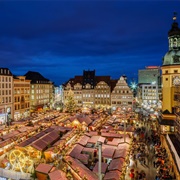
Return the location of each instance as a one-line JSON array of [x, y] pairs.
[[124, 130], [100, 159], [5, 114]]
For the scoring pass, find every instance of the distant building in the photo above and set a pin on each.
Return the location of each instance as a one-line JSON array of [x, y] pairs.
[[41, 92], [122, 95], [88, 84], [149, 86], [149, 75], [58, 97], [21, 97], [6, 96], [90, 90], [94, 91]]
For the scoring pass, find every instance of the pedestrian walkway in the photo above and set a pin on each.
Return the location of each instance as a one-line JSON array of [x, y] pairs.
[[149, 170], [142, 156]]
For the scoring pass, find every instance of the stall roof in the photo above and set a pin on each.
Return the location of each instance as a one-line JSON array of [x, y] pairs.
[[90, 150], [57, 175], [10, 135], [93, 133], [120, 153], [112, 175], [24, 129], [61, 141], [40, 145], [48, 139], [93, 139], [83, 140], [104, 167], [76, 151], [54, 136], [42, 133], [83, 170], [108, 153], [83, 158], [116, 164], [115, 141], [123, 146], [28, 141], [4, 143], [66, 135], [44, 168], [101, 139], [85, 119], [114, 135]]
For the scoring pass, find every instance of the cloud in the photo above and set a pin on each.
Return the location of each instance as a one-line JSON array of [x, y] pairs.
[[62, 38]]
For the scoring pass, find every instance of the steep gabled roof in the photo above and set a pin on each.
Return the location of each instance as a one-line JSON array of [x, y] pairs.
[[5, 71], [36, 76]]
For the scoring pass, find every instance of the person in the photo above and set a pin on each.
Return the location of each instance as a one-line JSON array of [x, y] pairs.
[[135, 162], [136, 175], [132, 175], [140, 176], [157, 177]]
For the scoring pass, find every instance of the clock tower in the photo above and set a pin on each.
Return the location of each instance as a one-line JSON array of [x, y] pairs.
[[171, 73]]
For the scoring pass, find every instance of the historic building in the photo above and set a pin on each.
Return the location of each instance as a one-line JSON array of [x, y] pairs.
[[74, 84], [102, 92], [171, 79], [21, 97], [41, 91], [90, 90], [88, 84], [6, 96], [170, 118], [122, 95], [98, 91]]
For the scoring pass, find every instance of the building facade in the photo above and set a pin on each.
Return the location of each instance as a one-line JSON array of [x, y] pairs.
[[41, 91], [169, 121], [58, 97], [171, 79], [21, 97], [6, 96], [97, 91], [122, 95], [149, 86]]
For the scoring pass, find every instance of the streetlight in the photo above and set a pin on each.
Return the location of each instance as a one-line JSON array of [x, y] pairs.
[[5, 114], [124, 130], [124, 109], [100, 159]]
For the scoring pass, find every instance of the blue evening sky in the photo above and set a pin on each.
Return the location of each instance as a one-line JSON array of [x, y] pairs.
[[61, 38]]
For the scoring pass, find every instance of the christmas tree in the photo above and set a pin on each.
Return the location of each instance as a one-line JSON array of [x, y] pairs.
[[70, 102]]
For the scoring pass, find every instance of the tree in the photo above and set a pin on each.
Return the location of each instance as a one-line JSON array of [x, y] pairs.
[[70, 102]]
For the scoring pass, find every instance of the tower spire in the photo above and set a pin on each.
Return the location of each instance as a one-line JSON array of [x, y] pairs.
[[175, 16]]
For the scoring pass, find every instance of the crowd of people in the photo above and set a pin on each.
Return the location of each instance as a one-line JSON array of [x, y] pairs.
[[147, 152], [162, 164]]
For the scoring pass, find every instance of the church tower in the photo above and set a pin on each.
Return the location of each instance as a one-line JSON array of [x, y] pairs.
[[171, 73]]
